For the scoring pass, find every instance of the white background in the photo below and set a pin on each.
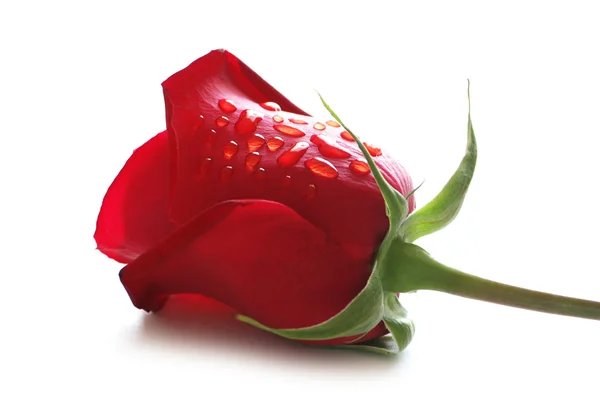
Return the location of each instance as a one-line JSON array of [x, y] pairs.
[[80, 89]]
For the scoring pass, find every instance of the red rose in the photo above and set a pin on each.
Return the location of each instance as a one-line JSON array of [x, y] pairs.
[[285, 215], [289, 220]]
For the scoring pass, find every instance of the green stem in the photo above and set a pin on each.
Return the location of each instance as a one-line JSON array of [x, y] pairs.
[[418, 271], [461, 284]]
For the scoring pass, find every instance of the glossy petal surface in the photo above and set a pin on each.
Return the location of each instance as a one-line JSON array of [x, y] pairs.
[[260, 245]]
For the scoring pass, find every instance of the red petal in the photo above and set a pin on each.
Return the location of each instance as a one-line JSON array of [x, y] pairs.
[[288, 264], [133, 216], [258, 257], [216, 76], [349, 208]]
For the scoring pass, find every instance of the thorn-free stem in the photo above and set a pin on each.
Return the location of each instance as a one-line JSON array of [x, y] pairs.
[[413, 269], [470, 286]]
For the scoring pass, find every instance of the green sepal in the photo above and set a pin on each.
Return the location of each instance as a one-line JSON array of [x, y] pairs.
[[385, 345], [411, 193], [442, 209], [361, 315], [397, 322], [396, 205]]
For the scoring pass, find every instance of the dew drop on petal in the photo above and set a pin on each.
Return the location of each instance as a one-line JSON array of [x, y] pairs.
[[328, 147], [287, 181], [346, 135], [274, 144], [211, 136], [271, 106], [248, 121], [359, 167], [297, 121], [289, 130], [252, 159], [319, 126], [332, 123], [222, 121], [255, 142], [321, 168], [227, 106], [292, 155], [260, 174], [205, 167], [230, 149], [311, 192], [226, 173], [373, 150], [318, 139], [200, 123], [278, 118]]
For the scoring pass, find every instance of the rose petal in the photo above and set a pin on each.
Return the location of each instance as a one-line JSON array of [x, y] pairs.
[[215, 76], [133, 216], [349, 208], [258, 257], [283, 260]]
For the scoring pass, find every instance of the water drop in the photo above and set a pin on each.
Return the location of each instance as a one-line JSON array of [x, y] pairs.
[[205, 167], [211, 136], [287, 181], [274, 144], [327, 147], [271, 106], [227, 106], [359, 167], [332, 123], [278, 118], [252, 160], [373, 150], [255, 142], [319, 126], [196, 125], [226, 173], [321, 168], [346, 135], [248, 121], [289, 130], [297, 121], [292, 155], [230, 149], [222, 121], [260, 174], [199, 123], [311, 192]]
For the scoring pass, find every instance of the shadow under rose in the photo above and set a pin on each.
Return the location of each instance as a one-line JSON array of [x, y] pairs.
[[199, 325]]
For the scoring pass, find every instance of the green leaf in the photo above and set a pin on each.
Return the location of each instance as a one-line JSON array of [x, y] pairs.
[[440, 212], [385, 345], [361, 315], [397, 322]]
